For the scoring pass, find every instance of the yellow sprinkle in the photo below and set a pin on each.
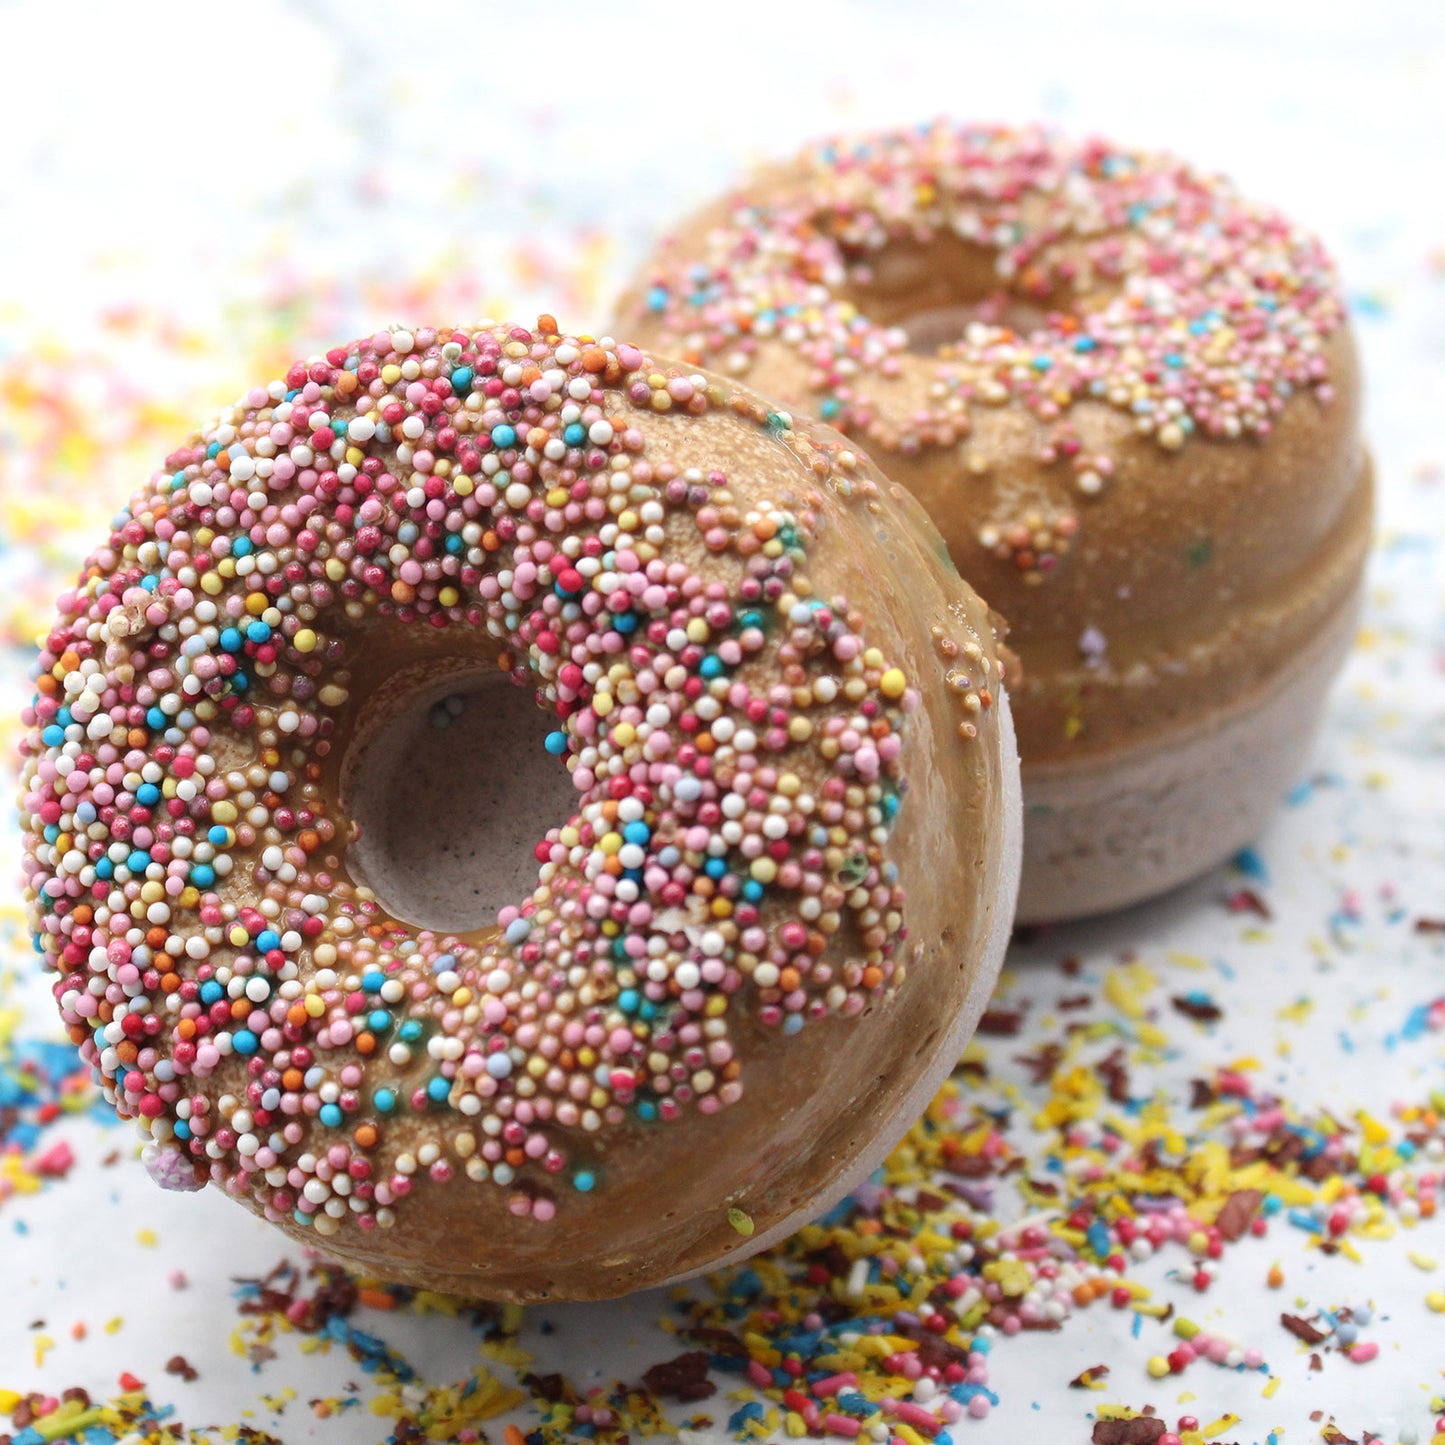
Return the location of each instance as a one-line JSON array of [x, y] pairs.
[[305, 640], [1421, 1261], [1436, 1300], [146, 1237], [43, 1346], [740, 1221], [113, 1326], [1219, 1426], [69, 1419], [893, 683], [1271, 1387], [1158, 1366]]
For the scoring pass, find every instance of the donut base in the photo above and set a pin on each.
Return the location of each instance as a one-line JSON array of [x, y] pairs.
[[911, 1107], [1115, 831]]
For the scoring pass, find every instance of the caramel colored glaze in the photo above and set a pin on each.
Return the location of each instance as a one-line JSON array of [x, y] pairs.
[[801, 1115], [1192, 572], [817, 1107]]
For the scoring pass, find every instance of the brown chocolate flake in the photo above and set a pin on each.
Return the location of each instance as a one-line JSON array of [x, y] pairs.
[[1086, 1379], [1140, 1430], [180, 1365], [684, 1378], [1002, 1023], [1199, 1009], [1239, 1209], [1041, 1065], [1302, 1329]]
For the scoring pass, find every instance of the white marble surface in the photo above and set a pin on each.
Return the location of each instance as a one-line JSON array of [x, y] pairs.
[[252, 182]]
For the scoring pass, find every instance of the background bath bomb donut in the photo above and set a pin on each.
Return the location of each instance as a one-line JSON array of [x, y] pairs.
[[524, 816], [1130, 401]]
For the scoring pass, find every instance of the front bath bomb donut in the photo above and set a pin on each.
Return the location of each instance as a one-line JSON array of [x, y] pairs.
[[520, 1002], [1130, 401]]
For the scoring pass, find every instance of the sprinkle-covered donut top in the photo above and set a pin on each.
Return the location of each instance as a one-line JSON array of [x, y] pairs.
[[1152, 289], [733, 736]]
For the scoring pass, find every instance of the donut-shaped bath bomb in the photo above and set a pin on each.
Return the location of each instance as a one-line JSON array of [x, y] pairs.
[[1130, 401], [760, 828]]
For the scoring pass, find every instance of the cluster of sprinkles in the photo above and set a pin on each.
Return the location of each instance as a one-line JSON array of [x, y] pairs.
[[734, 740], [880, 1322], [1160, 293]]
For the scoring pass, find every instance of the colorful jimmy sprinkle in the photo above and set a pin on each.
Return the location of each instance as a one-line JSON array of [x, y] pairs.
[[235, 988]]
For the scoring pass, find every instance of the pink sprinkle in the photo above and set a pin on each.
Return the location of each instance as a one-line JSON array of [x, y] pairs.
[[841, 1425], [1364, 1352], [914, 1415]]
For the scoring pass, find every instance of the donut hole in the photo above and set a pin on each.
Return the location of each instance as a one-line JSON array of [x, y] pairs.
[[934, 290], [451, 793]]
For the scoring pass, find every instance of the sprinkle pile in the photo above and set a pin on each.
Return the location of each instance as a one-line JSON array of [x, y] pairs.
[[734, 741], [1143, 285]]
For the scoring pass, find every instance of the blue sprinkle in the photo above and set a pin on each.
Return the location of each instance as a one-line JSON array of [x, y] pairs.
[[438, 1088], [330, 1115], [147, 795], [637, 832], [268, 939], [574, 435], [657, 298], [244, 1041], [518, 930], [555, 743], [218, 835], [462, 379], [503, 437], [384, 1100], [372, 980], [258, 632], [231, 640], [378, 1020], [138, 861], [583, 1180], [203, 875]]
